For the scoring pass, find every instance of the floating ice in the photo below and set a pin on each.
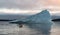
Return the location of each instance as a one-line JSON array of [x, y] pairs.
[[40, 22]]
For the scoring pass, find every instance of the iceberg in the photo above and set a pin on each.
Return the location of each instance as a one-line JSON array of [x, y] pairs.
[[40, 21], [43, 16]]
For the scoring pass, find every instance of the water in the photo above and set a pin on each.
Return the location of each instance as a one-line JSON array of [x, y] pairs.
[[13, 29]]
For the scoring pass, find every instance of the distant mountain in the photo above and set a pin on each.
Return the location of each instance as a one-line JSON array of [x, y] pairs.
[[55, 18], [11, 16]]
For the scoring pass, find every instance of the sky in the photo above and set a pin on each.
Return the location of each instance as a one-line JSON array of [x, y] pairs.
[[29, 6]]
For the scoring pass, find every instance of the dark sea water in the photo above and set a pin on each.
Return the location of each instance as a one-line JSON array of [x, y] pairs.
[[13, 29]]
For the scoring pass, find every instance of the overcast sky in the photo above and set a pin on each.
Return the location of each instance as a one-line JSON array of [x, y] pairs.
[[28, 6]]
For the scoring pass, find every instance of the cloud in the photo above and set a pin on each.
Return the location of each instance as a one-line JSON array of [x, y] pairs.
[[22, 4], [18, 11], [54, 2]]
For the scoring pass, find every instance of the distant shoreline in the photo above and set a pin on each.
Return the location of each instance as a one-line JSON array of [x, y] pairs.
[[12, 20], [56, 20], [5, 20]]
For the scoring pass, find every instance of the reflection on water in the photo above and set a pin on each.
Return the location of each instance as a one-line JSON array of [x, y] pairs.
[[13, 29], [56, 28]]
